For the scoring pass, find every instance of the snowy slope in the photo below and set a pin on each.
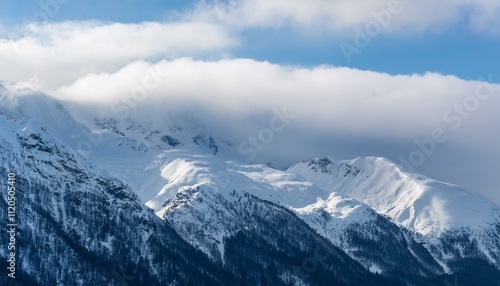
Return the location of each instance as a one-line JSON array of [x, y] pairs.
[[212, 202], [426, 207], [206, 198], [73, 216], [420, 204], [204, 183]]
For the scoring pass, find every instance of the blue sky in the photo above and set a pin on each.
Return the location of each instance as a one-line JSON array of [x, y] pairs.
[[459, 51], [14, 12]]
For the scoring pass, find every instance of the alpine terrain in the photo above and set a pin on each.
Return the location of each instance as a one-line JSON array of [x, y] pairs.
[[102, 199]]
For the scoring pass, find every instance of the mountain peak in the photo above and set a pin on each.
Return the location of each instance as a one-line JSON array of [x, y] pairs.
[[414, 201]]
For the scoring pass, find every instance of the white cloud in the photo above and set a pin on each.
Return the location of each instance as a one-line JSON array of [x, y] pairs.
[[345, 15], [485, 17], [328, 98], [339, 111], [60, 53]]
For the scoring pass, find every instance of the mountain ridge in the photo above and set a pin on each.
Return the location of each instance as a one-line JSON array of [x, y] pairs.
[[368, 212]]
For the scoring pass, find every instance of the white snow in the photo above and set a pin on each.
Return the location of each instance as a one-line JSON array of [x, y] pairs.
[[189, 182], [413, 201]]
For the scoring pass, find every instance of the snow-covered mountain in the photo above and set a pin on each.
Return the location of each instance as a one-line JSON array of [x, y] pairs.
[[433, 211], [206, 201], [162, 195], [77, 225]]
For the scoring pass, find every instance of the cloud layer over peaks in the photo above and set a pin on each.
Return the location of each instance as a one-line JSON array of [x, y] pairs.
[[329, 98], [335, 111]]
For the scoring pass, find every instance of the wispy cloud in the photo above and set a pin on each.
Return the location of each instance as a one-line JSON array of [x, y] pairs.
[[344, 15], [60, 53]]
